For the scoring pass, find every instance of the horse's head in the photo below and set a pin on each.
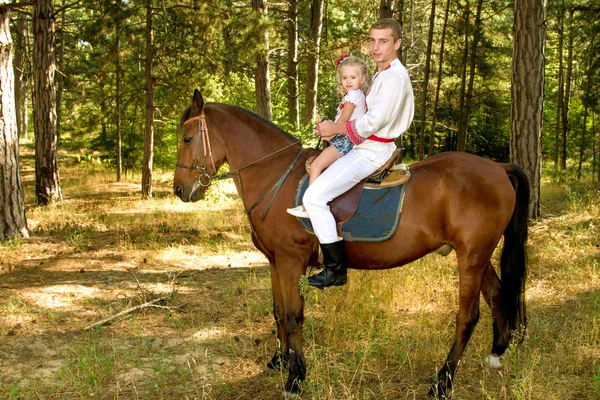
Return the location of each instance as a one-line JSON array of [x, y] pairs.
[[197, 160]]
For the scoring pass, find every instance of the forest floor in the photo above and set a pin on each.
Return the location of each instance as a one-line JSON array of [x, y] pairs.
[[383, 336]]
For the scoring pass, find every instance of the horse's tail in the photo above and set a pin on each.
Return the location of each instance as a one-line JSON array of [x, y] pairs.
[[513, 261]]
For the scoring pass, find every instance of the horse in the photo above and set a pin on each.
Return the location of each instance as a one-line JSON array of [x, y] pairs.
[[453, 201]]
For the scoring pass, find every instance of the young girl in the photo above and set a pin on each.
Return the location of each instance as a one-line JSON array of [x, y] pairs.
[[352, 75]]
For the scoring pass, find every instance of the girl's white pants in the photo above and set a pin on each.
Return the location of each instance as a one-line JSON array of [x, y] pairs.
[[340, 177]]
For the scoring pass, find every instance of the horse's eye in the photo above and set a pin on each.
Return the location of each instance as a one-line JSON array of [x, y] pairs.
[[187, 139]]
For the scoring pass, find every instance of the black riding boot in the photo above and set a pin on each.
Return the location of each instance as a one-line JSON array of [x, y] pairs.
[[334, 273]]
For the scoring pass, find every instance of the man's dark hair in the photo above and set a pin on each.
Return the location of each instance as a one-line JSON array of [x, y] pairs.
[[389, 23]]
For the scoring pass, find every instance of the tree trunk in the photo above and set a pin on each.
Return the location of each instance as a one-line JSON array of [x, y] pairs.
[[462, 128], [439, 80], [149, 127], [19, 67], [47, 185], [60, 54], [586, 96], [118, 74], [12, 204], [472, 62], [292, 67], [312, 69], [561, 81], [426, 82], [386, 9], [262, 79], [527, 93], [567, 96], [400, 13]]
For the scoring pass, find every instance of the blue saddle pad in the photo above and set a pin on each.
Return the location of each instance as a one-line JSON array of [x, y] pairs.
[[376, 218]]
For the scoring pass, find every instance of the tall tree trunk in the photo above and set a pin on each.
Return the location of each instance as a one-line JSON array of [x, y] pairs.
[[12, 204], [19, 67], [472, 64], [262, 79], [426, 82], [292, 72], [561, 81], [312, 69], [567, 96], [400, 19], [386, 9], [149, 127], [292, 66], [586, 96], [596, 148], [60, 55], [47, 185], [527, 93], [439, 80], [462, 128], [118, 74]]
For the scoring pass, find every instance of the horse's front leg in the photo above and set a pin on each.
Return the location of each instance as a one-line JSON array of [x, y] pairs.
[[281, 357], [289, 271]]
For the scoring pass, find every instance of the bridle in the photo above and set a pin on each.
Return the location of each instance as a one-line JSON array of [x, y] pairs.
[[203, 150]]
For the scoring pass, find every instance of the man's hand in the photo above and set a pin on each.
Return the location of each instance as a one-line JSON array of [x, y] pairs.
[[326, 129]]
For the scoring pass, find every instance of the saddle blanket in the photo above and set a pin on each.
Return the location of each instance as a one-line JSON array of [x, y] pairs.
[[376, 218]]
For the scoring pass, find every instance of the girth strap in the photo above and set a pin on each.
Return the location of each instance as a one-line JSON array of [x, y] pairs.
[[274, 189]]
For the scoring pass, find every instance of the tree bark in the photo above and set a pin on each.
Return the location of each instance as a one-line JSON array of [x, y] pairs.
[[47, 185], [400, 19], [118, 74], [60, 76], [461, 144], [12, 204], [19, 72], [439, 80], [586, 96], [561, 82], [386, 9], [292, 67], [149, 126], [262, 78], [527, 93], [567, 96], [312, 70], [472, 63], [426, 82]]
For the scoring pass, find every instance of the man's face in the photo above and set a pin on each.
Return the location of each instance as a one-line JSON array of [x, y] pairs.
[[383, 47]]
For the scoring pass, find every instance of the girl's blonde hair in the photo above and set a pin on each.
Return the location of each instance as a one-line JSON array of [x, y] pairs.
[[351, 61]]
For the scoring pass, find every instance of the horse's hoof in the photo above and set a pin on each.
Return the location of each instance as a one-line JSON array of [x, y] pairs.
[[439, 390], [289, 395], [492, 361], [278, 362]]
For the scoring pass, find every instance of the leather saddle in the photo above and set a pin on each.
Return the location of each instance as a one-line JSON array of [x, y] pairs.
[[388, 175]]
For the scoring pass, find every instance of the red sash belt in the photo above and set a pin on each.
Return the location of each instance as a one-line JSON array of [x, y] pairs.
[[380, 140]]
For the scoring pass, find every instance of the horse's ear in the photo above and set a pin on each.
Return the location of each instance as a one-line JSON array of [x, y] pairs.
[[197, 103]]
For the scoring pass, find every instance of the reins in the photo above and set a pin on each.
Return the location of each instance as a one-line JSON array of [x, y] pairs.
[[203, 141]]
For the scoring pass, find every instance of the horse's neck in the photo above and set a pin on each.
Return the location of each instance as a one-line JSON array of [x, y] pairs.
[[252, 143]]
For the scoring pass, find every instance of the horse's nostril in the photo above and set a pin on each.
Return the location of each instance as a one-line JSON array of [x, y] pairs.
[[177, 190]]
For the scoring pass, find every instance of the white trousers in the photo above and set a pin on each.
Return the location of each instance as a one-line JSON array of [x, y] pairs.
[[340, 177]]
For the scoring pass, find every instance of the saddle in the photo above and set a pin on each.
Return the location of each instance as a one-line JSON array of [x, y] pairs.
[[387, 176]]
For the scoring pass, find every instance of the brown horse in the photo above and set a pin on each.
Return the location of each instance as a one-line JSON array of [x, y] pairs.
[[453, 199]]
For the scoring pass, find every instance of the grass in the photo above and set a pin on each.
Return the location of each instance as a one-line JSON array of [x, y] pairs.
[[382, 336]]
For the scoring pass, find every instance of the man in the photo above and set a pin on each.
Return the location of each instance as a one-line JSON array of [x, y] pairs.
[[390, 103]]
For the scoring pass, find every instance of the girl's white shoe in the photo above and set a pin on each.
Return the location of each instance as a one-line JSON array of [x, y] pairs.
[[299, 212]]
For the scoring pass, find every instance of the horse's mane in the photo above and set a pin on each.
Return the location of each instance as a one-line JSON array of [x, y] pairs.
[[269, 124]]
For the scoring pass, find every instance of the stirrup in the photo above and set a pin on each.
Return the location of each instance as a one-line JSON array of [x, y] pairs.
[[299, 212]]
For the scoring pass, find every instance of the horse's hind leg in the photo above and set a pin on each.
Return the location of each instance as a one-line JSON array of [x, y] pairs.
[[492, 295], [281, 357], [470, 279]]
